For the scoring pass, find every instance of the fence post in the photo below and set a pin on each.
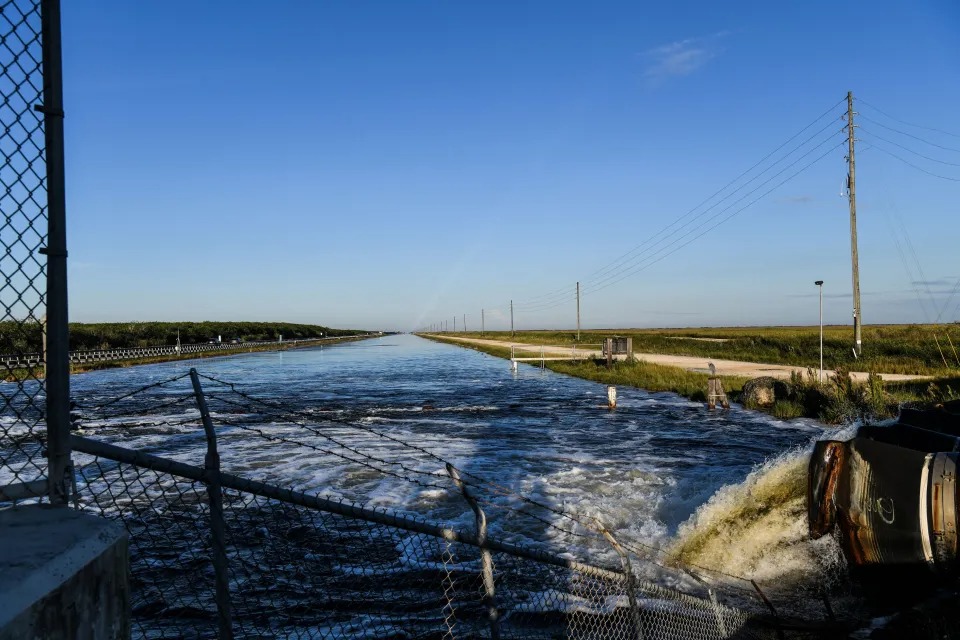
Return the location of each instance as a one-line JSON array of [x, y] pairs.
[[628, 571], [211, 465], [57, 356], [718, 612], [486, 560]]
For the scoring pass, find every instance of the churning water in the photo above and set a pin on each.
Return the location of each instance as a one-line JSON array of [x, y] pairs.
[[721, 490]]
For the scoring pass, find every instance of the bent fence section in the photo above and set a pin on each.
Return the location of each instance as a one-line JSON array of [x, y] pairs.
[[301, 566], [217, 554]]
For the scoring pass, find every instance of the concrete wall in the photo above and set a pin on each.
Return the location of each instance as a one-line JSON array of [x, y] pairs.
[[63, 574]]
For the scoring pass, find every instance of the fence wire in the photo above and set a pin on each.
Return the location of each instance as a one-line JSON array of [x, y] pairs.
[[300, 572], [303, 566], [23, 234]]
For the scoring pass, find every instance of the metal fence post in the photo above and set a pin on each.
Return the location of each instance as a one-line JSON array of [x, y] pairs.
[[211, 464], [57, 381], [486, 560], [718, 612], [628, 571]]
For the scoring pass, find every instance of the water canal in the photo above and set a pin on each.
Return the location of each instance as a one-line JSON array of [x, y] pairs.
[[657, 470]]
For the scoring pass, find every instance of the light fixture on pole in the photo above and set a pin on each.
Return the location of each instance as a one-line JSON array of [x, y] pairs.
[[819, 283]]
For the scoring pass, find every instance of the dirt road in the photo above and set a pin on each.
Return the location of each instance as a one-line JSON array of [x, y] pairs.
[[690, 363]]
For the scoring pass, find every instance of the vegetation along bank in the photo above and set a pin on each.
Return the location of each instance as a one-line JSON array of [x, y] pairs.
[[835, 401]]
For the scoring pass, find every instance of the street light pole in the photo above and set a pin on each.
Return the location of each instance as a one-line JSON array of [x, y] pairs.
[[819, 283]]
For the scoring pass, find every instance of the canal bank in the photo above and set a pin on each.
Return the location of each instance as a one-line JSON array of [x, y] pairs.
[[642, 375], [840, 399]]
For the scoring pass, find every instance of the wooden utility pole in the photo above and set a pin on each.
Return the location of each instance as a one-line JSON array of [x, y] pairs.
[[511, 318], [454, 324], [578, 312], [483, 323], [464, 323], [852, 192]]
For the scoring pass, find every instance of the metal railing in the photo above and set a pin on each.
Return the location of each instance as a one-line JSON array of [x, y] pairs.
[[15, 361], [547, 353], [219, 553]]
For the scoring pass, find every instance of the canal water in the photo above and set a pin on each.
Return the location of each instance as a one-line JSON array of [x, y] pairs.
[[722, 490]]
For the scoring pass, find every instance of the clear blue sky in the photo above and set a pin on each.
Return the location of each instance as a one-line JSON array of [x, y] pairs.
[[391, 164]]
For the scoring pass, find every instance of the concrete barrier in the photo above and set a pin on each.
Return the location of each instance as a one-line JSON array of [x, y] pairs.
[[63, 574]]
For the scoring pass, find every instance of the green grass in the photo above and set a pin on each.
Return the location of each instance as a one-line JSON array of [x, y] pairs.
[[644, 375], [910, 349], [836, 401]]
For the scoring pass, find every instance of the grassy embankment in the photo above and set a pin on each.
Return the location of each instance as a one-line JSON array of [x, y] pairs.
[[910, 349], [27, 338], [890, 349]]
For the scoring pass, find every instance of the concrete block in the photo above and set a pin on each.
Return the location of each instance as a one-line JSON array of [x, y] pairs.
[[63, 574]]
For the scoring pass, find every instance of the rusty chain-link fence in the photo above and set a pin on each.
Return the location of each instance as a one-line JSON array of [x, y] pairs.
[[34, 392], [221, 547]]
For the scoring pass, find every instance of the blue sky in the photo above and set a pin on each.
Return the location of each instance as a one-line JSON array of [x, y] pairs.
[[392, 164]]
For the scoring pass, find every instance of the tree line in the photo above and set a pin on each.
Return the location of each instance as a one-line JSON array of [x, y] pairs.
[[27, 337]]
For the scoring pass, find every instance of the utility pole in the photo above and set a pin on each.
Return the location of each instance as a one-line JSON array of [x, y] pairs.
[[464, 323], [578, 312], [483, 323], [454, 324], [852, 192], [819, 283], [511, 318]]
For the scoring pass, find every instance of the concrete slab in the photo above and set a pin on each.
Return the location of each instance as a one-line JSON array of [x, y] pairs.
[[63, 574]]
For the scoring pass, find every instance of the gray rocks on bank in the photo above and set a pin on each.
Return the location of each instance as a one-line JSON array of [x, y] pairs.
[[764, 391]]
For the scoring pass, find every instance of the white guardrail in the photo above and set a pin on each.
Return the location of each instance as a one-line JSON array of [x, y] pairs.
[[104, 355]]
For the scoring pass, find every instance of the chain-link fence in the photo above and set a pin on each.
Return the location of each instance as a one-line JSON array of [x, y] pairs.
[[33, 391], [216, 554], [227, 555]]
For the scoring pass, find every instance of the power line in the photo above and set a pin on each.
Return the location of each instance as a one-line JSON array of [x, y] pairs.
[[918, 126], [906, 266], [953, 292], [909, 135], [632, 270], [639, 257], [910, 164], [705, 231], [645, 259], [548, 294], [627, 255], [560, 296], [916, 153], [567, 297]]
